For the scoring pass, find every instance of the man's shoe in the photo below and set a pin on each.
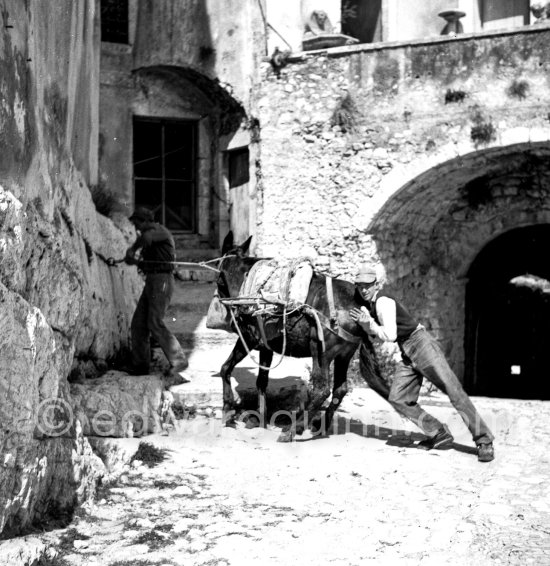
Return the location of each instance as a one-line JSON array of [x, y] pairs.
[[175, 379], [443, 440], [173, 376], [485, 452]]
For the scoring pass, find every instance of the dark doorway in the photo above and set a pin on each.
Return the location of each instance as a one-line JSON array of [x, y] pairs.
[[362, 19], [165, 171], [508, 316], [502, 14]]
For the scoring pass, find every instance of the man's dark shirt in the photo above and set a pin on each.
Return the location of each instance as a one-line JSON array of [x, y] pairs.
[[157, 245], [405, 322]]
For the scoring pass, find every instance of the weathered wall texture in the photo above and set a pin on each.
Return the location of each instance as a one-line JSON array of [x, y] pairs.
[[202, 56], [60, 300], [414, 156]]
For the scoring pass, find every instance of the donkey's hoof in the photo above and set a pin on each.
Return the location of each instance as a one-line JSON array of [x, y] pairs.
[[286, 436], [318, 426], [318, 430]]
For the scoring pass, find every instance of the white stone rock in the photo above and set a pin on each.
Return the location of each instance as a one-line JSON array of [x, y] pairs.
[[182, 490], [116, 402]]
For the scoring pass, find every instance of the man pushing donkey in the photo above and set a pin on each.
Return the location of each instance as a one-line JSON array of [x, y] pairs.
[[382, 316]]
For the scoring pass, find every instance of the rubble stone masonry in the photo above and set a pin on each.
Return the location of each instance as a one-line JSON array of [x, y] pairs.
[[413, 155]]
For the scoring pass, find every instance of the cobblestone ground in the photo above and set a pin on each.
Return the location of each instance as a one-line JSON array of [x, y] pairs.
[[237, 497]]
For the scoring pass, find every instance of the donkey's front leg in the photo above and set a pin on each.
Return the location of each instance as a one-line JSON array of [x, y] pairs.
[[319, 390], [266, 356], [340, 387], [237, 355]]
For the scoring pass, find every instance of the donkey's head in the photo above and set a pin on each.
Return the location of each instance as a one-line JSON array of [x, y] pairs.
[[233, 267], [229, 246]]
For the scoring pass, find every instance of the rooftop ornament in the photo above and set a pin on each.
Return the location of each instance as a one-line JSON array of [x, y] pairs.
[[319, 33], [453, 25]]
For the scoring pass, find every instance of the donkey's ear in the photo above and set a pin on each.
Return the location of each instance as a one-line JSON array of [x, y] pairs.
[[244, 247], [227, 243]]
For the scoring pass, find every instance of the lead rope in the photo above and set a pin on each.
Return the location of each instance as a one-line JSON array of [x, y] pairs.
[[111, 262], [257, 364]]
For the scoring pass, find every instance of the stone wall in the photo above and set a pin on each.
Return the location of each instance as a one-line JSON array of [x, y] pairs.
[[61, 302], [414, 156]]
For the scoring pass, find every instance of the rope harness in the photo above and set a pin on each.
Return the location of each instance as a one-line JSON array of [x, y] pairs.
[[260, 303], [264, 338]]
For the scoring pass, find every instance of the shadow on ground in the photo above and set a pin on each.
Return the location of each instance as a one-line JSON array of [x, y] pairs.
[[392, 437], [286, 394]]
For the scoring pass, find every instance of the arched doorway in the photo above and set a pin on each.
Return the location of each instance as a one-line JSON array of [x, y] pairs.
[[428, 232], [508, 316], [162, 134]]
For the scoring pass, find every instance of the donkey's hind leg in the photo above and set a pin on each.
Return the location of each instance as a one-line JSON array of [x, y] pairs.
[[237, 355]]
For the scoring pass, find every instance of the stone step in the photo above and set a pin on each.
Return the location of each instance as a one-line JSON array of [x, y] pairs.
[[192, 295], [196, 254], [183, 241], [199, 274]]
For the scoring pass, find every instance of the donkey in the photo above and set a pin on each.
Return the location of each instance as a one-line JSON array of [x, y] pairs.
[[341, 339]]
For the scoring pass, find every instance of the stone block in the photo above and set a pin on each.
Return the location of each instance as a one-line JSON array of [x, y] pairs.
[[119, 405], [23, 552], [115, 453]]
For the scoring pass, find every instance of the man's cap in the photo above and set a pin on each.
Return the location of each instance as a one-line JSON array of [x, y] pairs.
[[142, 213], [366, 274]]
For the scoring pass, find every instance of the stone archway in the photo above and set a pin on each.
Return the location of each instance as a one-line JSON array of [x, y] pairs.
[[430, 230], [508, 316]]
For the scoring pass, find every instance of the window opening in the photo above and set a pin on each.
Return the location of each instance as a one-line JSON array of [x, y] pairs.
[[165, 171], [114, 21], [238, 166]]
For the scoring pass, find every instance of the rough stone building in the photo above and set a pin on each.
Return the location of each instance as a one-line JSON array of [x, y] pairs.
[[412, 148], [425, 153], [408, 147], [429, 156]]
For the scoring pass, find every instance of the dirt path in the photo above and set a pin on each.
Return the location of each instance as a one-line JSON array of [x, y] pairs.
[[237, 497]]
